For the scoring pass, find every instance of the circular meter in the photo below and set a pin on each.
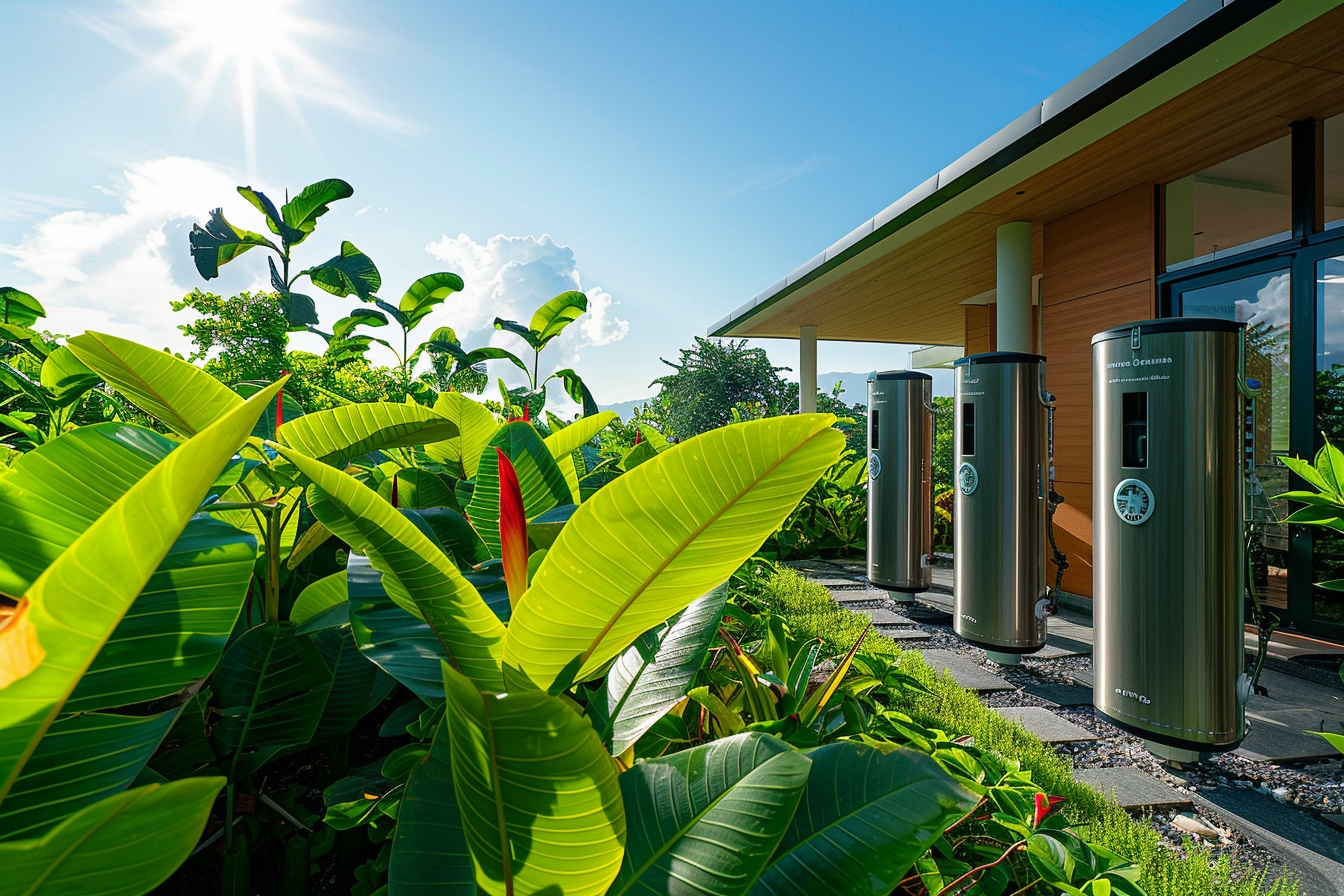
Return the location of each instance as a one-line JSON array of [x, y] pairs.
[[874, 465], [967, 478], [1133, 501]]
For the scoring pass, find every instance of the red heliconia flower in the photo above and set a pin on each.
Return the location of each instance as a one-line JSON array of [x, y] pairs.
[[512, 529], [1044, 806], [639, 436], [527, 409]]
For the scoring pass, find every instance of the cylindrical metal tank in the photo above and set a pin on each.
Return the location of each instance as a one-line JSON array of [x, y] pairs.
[[999, 505], [1168, 559], [900, 481]]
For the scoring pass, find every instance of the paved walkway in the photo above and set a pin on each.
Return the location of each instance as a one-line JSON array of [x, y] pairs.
[[1311, 844]]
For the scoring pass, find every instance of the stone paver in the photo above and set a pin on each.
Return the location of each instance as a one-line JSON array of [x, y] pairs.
[[1045, 724], [906, 635], [1312, 849], [1280, 721], [835, 583], [1134, 789], [1062, 694], [849, 596], [882, 616], [1057, 646], [927, 615], [966, 673]]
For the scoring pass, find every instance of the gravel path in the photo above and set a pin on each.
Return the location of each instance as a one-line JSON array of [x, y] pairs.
[[1316, 788]]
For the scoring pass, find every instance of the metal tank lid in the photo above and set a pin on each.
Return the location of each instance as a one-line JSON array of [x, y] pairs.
[[898, 375], [1170, 325], [998, 358]]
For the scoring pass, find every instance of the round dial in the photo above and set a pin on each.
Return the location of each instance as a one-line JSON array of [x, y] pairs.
[[1133, 501], [967, 478]]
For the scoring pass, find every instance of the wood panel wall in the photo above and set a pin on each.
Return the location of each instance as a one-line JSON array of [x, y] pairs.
[[1098, 272]]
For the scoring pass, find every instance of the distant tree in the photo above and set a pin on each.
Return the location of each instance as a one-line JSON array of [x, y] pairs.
[[244, 338], [712, 378]]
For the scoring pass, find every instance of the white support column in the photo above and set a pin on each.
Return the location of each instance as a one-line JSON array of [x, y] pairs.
[[807, 370], [1014, 287]]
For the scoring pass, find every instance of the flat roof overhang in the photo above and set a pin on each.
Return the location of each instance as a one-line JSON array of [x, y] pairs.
[[1209, 80]]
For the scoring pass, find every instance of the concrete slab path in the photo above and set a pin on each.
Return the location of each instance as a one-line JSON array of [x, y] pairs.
[[966, 673], [1045, 724], [1134, 789]]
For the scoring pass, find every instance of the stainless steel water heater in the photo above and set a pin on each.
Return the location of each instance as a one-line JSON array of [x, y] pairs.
[[1168, 558], [900, 481], [999, 503]]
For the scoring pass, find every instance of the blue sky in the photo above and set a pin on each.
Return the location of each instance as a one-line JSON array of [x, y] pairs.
[[671, 160]]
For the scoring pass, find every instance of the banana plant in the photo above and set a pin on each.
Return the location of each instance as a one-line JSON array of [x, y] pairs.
[[91, 585]]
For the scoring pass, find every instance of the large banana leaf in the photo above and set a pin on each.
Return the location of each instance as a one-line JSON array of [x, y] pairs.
[[71, 609], [864, 819], [180, 395], [125, 845], [551, 319], [429, 854], [336, 435], [538, 794], [653, 673], [317, 600], [710, 817], [475, 424], [398, 642], [647, 544], [269, 691], [174, 632], [52, 494], [81, 760], [301, 212], [539, 477], [421, 577], [357, 685], [562, 443]]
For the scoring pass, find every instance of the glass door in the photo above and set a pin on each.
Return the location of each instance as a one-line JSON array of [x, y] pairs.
[[1327, 549], [1258, 295]]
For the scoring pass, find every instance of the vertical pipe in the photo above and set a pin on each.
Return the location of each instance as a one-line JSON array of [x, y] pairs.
[[1014, 287], [807, 370]]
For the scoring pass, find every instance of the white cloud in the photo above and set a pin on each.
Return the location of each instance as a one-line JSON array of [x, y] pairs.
[[511, 276], [118, 270]]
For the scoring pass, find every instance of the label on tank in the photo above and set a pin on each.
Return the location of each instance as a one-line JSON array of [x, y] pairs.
[[874, 465], [1133, 501], [967, 478]]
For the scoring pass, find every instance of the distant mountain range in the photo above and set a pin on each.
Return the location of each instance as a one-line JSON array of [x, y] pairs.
[[854, 384]]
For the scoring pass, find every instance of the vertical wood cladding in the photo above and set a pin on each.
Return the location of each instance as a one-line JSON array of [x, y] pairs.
[[1098, 272]]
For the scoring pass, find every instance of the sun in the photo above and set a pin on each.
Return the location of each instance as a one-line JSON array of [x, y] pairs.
[[258, 45]]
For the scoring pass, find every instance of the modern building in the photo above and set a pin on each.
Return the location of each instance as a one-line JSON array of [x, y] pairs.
[[1198, 170]]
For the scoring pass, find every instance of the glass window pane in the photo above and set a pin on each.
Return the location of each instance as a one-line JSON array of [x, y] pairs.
[[1229, 207], [1261, 302], [1328, 547], [1333, 166]]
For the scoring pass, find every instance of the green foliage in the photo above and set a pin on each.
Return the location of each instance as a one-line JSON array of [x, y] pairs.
[[713, 377]]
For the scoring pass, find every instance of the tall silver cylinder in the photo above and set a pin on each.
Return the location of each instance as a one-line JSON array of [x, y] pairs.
[[900, 481], [999, 505], [1168, 559]]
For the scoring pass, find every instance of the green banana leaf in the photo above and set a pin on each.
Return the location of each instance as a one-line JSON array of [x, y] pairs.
[[422, 580], [125, 845], [456, 536], [269, 691], [651, 541], [550, 319], [65, 377], [425, 293], [429, 854], [396, 641], [864, 819], [416, 489], [174, 632], [336, 435], [357, 685], [317, 599], [81, 760], [563, 442], [475, 426], [539, 477], [538, 794], [653, 674], [186, 751], [349, 272], [43, 509], [711, 816], [78, 601], [180, 395], [301, 212]]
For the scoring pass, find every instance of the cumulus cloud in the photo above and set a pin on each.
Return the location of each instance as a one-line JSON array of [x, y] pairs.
[[511, 276], [119, 269]]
